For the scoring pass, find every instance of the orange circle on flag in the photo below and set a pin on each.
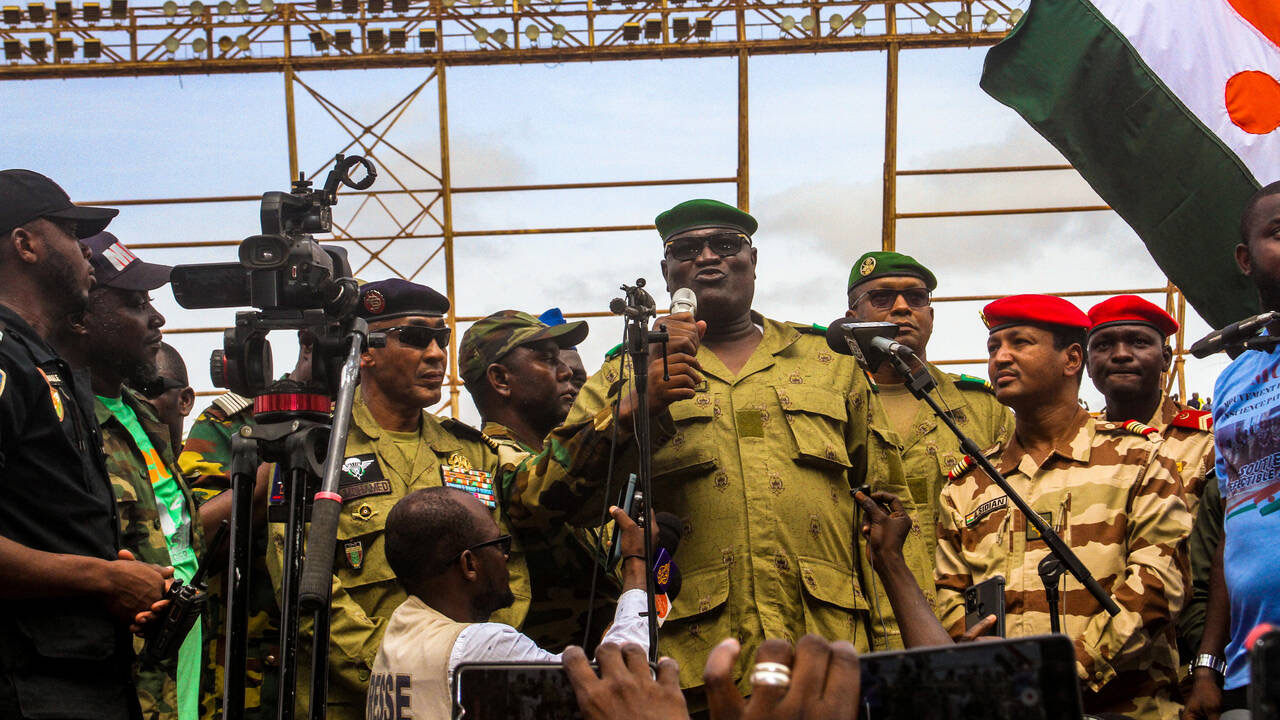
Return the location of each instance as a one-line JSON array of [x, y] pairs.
[[1253, 101]]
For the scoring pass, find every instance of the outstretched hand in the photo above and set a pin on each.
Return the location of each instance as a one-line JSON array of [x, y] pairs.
[[885, 530], [625, 687], [825, 682]]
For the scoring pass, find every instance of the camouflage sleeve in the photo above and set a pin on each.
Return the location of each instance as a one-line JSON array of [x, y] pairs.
[[951, 575], [205, 457], [1151, 589], [565, 483]]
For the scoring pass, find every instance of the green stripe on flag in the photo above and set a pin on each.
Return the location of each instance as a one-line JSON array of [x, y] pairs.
[[1076, 79]]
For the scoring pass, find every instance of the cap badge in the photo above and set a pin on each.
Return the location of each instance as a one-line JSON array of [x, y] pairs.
[[868, 266], [119, 256], [374, 302], [983, 317]]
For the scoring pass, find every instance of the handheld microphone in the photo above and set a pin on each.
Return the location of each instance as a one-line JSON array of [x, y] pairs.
[[1235, 332], [666, 575], [683, 300]]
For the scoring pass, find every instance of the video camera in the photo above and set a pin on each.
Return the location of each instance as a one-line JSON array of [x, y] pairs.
[[294, 281]]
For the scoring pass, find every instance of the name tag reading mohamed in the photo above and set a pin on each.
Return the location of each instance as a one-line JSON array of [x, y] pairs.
[[476, 482]]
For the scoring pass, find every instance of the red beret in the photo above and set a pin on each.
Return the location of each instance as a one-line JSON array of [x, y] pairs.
[[1131, 310], [1033, 310]]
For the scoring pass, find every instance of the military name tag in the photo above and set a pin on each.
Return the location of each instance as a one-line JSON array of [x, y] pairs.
[[476, 482], [365, 489], [986, 509]]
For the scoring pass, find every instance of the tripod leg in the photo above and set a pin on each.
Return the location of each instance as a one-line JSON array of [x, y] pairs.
[[320, 664], [243, 464], [296, 484]]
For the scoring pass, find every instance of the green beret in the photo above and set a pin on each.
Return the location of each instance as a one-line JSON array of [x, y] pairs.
[[695, 214], [489, 339], [889, 264]]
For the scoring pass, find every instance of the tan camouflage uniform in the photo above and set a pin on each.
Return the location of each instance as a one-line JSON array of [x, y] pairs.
[[1122, 511], [206, 463], [140, 529], [928, 455], [560, 568], [759, 465], [1187, 446]]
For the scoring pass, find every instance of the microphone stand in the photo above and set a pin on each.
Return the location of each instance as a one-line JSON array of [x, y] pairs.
[[1060, 558], [637, 308]]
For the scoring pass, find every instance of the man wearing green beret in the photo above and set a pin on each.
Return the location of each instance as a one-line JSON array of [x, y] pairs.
[[892, 287], [758, 462], [515, 370]]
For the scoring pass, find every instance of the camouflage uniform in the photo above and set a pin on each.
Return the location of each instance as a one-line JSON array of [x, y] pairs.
[[1122, 511], [206, 462], [1187, 446], [929, 453], [141, 532], [561, 565], [759, 466]]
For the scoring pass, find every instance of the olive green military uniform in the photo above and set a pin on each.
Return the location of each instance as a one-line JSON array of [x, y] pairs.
[[759, 466], [1202, 549], [561, 564], [929, 453], [140, 528], [1111, 499], [377, 474], [206, 463]]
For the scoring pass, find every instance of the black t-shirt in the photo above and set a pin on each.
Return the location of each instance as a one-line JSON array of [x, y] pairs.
[[55, 496]]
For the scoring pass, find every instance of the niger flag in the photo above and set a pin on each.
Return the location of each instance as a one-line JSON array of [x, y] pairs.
[[1170, 109]]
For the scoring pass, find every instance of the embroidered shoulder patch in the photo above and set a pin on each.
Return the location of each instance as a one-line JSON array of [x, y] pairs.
[[986, 509]]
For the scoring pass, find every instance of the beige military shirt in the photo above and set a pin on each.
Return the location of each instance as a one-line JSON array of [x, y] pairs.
[[759, 465], [929, 452], [1117, 505], [365, 591], [1188, 445]]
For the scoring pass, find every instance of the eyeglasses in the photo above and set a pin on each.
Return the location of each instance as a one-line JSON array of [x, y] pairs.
[[502, 541], [885, 299], [722, 244], [160, 386], [420, 336]]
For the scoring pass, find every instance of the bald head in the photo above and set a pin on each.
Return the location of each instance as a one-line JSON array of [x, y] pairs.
[[427, 530]]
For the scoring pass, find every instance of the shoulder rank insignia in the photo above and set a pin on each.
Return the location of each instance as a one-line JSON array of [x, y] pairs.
[[1142, 429], [614, 352], [961, 467], [810, 329], [459, 429], [971, 382], [1192, 419]]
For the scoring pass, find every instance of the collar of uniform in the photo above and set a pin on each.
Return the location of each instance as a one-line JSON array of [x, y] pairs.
[[41, 351], [502, 433], [1168, 410], [436, 437], [777, 338], [952, 399], [1078, 448]]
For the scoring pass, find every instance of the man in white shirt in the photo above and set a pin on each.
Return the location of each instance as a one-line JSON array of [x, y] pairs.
[[449, 554]]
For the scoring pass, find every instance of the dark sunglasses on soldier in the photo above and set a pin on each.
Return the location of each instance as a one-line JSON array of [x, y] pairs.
[[722, 244], [160, 386], [420, 336], [502, 541], [885, 299]]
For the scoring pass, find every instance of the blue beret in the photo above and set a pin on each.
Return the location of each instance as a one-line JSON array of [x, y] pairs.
[[552, 317], [384, 299]]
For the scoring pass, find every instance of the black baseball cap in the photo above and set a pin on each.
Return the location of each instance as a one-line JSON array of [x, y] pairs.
[[27, 196], [114, 265]]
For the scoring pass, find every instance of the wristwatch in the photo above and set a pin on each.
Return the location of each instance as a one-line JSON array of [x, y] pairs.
[[1213, 662]]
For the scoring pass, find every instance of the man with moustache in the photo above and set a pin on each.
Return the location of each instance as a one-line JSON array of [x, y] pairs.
[[396, 446], [68, 591], [892, 287], [514, 367], [1101, 485], [758, 463], [119, 338]]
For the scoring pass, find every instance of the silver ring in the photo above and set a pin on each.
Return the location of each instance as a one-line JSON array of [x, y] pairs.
[[772, 667], [771, 674]]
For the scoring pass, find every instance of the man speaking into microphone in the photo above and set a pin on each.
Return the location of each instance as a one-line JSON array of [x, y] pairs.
[[757, 464]]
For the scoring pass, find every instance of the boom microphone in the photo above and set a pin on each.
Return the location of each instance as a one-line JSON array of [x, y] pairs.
[[683, 300], [1230, 335]]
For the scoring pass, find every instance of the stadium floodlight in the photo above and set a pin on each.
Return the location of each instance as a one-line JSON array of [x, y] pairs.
[[962, 18], [92, 12], [199, 46], [13, 14], [788, 23], [92, 48], [399, 38], [990, 18], [170, 8], [119, 9], [242, 7], [324, 6], [631, 31], [267, 6], [376, 39], [835, 22], [859, 20], [172, 44], [500, 36], [64, 48], [12, 49], [702, 27], [37, 13], [1015, 15], [399, 7], [426, 38], [62, 9], [497, 3], [224, 8], [342, 40], [225, 44], [652, 28], [808, 23], [243, 43], [376, 7], [197, 8], [558, 32], [319, 40], [480, 34], [351, 7], [532, 33], [38, 48], [932, 19], [682, 27]]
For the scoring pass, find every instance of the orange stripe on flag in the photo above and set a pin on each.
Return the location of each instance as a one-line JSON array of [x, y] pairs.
[[1262, 14]]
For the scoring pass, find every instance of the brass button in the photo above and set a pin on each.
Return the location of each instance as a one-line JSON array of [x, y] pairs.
[[271, 661]]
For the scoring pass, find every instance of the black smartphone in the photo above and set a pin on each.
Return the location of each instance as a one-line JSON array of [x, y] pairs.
[[985, 598], [1031, 678], [507, 691], [626, 501]]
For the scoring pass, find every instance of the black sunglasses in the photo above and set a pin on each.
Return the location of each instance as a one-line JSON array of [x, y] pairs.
[[160, 386], [502, 541], [884, 299], [722, 244], [420, 336]]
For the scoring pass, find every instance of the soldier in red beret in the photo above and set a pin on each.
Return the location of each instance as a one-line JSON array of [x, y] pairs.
[[1101, 485]]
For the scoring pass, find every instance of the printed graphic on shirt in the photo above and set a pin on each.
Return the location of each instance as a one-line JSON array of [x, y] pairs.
[[390, 697]]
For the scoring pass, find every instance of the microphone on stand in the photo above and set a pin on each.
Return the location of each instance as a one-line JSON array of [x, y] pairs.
[[1219, 340], [850, 337], [683, 300]]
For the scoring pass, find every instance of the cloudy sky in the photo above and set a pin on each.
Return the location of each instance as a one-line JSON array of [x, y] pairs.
[[816, 153]]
